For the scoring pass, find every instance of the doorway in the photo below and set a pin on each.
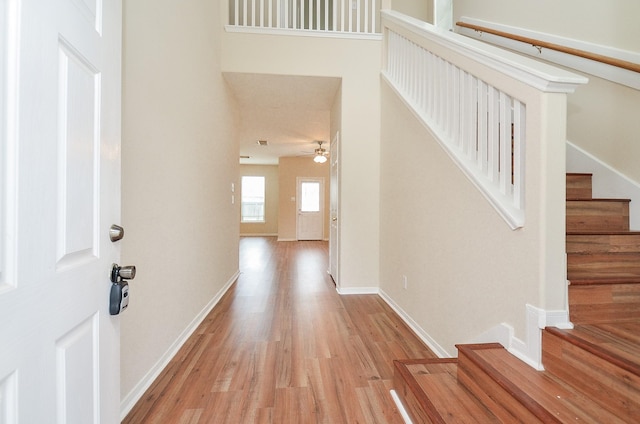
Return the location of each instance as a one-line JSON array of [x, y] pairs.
[[310, 205]]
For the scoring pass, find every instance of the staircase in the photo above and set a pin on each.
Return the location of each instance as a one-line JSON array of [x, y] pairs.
[[592, 372]]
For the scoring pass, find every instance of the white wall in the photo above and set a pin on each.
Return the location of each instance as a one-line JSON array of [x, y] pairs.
[[602, 116], [179, 158], [357, 62]]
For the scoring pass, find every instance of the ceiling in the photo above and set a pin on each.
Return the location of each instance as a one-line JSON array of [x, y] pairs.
[[290, 112]]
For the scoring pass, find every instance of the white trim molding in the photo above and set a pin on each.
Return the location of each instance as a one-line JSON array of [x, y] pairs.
[[129, 401], [303, 33], [415, 327], [400, 406], [357, 290], [529, 350]]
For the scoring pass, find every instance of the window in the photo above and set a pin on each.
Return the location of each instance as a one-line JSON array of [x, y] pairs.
[[252, 209], [310, 192]]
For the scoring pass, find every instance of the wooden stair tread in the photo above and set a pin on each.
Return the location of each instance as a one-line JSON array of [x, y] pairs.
[[590, 280], [591, 359], [577, 278], [617, 343], [549, 399], [604, 232], [599, 199], [436, 392]]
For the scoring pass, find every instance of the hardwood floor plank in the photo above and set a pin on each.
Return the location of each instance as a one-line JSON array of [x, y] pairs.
[[283, 347]]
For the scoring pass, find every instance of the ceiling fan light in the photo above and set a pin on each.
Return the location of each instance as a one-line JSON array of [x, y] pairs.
[[320, 159]]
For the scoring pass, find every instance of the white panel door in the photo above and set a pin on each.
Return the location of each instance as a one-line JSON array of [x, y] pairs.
[[310, 225], [333, 211], [59, 194]]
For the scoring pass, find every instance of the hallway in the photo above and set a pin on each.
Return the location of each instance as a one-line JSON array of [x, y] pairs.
[[283, 347]]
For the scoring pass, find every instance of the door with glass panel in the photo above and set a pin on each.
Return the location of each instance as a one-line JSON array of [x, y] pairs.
[[310, 223]]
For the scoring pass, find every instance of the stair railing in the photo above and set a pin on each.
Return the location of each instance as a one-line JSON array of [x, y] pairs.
[[326, 16], [475, 100]]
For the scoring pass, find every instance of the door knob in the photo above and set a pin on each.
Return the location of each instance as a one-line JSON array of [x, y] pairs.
[[116, 232], [119, 273]]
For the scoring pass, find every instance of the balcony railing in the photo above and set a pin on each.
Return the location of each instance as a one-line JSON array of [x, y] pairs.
[[326, 16]]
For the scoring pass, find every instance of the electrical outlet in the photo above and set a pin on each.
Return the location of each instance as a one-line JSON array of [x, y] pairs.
[[404, 282]]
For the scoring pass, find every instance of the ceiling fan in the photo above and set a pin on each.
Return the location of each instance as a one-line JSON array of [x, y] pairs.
[[320, 154]]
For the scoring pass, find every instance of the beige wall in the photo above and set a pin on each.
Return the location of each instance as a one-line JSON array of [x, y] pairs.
[[467, 271], [422, 10], [290, 168], [357, 62], [603, 116], [179, 159], [270, 226]]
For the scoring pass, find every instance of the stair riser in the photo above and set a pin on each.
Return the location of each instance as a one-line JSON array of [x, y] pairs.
[[579, 186], [613, 388], [430, 393], [491, 394], [412, 405], [603, 243], [603, 265], [604, 303], [597, 215]]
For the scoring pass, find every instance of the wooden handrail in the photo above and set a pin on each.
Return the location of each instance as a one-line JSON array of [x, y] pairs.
[[630, 66]]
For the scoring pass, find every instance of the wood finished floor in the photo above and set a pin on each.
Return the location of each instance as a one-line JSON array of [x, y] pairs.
[[283, 347]]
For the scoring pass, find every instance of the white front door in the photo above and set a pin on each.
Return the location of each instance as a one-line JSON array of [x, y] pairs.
[[333, 210], [310, 225], [59, 195]]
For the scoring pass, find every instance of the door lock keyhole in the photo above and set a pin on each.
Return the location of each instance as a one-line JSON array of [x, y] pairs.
[[119, 273]]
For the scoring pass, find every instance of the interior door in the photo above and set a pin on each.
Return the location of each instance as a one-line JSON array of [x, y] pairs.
[[59, 195], [333, 210], [310, 225]]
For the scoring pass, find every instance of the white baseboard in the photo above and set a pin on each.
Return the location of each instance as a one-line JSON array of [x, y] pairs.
[[258, 234], [607, 182], [400, 406], [529, 350], [419, 331], [287, 239], [357, 290], [129, 401]]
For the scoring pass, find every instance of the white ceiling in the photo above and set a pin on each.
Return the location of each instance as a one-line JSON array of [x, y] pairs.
[[290, 112]]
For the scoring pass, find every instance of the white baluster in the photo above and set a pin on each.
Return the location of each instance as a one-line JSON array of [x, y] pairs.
[[483, 113], [519, 118], [373, 16], [494, 122], [505, 144]]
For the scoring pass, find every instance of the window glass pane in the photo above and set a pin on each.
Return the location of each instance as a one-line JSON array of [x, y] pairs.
[[310, 201], [252, 209]]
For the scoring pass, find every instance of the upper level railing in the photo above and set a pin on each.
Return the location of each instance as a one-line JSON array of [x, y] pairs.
[[477, 102], [327, 16]]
